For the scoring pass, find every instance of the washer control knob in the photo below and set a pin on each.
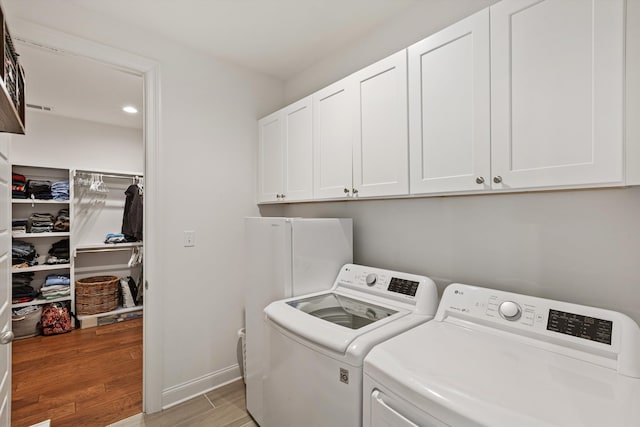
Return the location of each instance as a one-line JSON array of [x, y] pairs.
[[371, 279], [510, 310]]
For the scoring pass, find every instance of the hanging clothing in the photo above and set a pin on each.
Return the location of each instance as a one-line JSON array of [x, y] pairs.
[[132, 218]]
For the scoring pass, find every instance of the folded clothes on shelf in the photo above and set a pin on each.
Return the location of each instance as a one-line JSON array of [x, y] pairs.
[[60, 190], [61, 222], [19, 225], [39, 189], [55, 291], [57, 279], [59, 253], [23, 293], [20, 279], [40, 223], [18, 186], [115, 238], [23, 253]]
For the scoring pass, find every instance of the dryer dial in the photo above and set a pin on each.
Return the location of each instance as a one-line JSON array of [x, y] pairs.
[[510, 310]]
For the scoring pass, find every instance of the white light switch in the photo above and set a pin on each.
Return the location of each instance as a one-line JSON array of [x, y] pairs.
[[189, 238]]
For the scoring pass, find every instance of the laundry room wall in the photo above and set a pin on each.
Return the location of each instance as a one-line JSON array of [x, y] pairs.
[[414, 24], [64, 142], [208, 142], [577, 246]]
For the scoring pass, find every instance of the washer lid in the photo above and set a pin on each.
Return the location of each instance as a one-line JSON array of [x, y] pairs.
[[457, 375], [331, 320], [342, 310]]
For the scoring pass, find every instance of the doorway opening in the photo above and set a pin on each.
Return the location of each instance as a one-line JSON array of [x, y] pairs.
[[97, 213]]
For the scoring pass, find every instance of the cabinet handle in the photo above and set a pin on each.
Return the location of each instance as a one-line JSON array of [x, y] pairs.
[[346, 191], [282, 196], [497, 179], [278, 196], [479, 180], [355, 191]]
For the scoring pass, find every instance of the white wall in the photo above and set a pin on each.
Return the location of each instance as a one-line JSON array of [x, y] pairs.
[[414, 24], [68, 143], [578, 246], [208, 140]]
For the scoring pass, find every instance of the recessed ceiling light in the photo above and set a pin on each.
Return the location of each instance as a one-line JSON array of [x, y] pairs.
[[130, 109]]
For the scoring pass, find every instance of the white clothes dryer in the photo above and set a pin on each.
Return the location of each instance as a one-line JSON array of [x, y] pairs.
[[493, 358], [317, 343]]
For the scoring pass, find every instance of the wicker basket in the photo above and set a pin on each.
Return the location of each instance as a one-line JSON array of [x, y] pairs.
[[97, 294]]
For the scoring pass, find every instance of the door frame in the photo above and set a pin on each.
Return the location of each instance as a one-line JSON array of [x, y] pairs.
[[152, 377]]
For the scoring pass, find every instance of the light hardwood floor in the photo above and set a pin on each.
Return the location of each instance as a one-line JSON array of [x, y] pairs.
[[222, 407], [87, 377], [93, 378]]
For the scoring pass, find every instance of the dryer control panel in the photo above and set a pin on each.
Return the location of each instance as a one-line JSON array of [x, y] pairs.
[[587, 333], [418, 291]]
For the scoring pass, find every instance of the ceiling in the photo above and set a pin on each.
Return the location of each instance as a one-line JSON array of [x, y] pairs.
[[277, 37], [280, 38], [77, 87]]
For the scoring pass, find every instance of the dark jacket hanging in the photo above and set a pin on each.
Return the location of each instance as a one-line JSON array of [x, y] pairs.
[[132, 218]]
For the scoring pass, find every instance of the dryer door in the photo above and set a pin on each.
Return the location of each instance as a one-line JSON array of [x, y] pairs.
[[383, 415]]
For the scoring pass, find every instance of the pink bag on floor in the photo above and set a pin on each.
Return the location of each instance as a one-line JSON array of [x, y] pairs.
[[56, 319]]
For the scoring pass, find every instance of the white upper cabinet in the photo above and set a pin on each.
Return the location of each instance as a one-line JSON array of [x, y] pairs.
[[270, 158], [524, 95], [449, 105], [380, 151], [360, 133], [285, 154], [298, 150], [557, 100], [333, 134]]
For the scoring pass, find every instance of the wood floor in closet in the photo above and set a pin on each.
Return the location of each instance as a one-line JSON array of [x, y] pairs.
[[88, 377]]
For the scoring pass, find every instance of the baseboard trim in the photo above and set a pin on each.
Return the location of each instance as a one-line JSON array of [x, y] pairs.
[[182, 392]]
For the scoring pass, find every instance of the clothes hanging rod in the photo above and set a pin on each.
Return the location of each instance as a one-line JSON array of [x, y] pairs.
[[109, 175]]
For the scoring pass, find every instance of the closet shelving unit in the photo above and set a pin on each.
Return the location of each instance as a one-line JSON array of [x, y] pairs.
[[98, 213], [22, 208]]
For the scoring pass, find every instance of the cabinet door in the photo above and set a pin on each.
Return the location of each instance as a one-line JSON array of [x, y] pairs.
[[332, 140], [298, 137], [557, 92], [449, 108], [270, 158], [381, 148]]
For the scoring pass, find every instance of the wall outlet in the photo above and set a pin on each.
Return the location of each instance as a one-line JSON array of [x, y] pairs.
[[189, 239]]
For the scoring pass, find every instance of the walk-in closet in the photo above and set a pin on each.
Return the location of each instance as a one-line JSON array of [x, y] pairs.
[[77, 242]]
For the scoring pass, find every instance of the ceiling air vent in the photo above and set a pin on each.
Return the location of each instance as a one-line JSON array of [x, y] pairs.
[[40, 107]]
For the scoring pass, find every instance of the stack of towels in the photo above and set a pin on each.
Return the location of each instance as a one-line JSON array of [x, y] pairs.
[[56, 286]]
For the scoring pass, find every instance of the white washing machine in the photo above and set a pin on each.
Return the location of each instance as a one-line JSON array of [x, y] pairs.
[[492, 358], [317, 343]]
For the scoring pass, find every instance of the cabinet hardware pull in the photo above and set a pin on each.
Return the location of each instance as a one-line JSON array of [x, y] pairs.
[[497, 179], [346, 191], [479, 180], [355, 191]]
